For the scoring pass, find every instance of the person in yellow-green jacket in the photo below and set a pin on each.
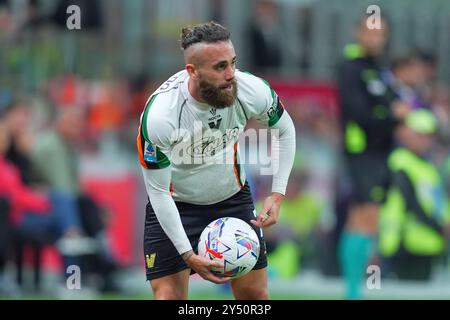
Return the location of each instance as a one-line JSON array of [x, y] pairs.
[[415, 219]]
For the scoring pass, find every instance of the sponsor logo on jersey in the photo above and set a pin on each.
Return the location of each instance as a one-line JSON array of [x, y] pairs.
[[215, 124], [209, 145], [215, 120]]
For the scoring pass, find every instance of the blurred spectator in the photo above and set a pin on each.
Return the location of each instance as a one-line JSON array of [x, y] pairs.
[[34, 16], [55, 159], [318, 136], [140, 86], [108, 110], [27, 16], [54, 153], [42, 217], [5, 224], [5, 241], [415, 220], [406, 74], [5, 17], [430, 68], [18, 120], [440, 104], [264, 34], [291, 243]]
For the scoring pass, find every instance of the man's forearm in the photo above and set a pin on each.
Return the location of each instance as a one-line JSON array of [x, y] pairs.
[[165, 209], [285, 154]]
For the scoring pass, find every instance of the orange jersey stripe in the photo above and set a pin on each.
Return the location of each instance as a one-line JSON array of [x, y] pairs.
[[140, 148], [236, 172]]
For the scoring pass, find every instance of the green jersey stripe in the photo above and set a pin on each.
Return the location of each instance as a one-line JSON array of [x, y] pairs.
[[144, 118]]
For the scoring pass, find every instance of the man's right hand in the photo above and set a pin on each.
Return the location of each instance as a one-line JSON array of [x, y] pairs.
[[400, 109], [203, 266]]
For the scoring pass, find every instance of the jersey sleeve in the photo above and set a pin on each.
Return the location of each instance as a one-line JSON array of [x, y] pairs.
[[263, 103], [154, 138]]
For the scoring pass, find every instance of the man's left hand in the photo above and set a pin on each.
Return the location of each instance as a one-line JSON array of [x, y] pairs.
[[270, 211]]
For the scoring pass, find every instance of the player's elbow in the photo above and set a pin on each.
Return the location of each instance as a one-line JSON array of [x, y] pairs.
[[286, 127]]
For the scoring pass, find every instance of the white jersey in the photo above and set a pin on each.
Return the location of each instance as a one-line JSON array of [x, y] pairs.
[[199, 141]]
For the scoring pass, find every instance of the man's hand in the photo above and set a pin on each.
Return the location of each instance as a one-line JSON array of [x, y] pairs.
[[400, 109], [203, 266], [270, 211]]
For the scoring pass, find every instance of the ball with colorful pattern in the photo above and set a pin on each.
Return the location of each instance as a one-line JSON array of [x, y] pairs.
[[233, 242]]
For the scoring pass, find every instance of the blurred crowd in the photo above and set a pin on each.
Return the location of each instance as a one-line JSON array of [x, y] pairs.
[[386, 159], [44, 130], [42, 200]]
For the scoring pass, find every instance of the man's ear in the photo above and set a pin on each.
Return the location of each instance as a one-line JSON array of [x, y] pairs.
[[190, 68]]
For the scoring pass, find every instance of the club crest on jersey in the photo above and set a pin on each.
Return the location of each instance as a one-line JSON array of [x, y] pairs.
[[215, 120], [150, 154]]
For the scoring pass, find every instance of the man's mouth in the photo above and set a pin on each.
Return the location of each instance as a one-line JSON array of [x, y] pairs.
[[227, 87]]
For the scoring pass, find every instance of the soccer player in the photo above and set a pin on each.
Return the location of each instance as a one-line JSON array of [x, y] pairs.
[[189, 125]]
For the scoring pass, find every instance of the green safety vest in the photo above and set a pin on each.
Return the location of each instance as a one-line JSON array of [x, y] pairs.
[[397, 225]]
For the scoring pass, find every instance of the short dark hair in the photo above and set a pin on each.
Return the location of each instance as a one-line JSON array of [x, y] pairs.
[[407, 58], [208, 32], [428, 57]]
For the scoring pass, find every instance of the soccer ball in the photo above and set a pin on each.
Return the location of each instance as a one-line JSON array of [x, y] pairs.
[[233, 242]]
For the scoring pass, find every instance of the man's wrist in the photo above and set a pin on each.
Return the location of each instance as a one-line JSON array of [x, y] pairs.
[[187, 255], [277, 197]]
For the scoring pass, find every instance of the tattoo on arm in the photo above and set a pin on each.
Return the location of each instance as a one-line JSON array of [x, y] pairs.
[[187, 255]]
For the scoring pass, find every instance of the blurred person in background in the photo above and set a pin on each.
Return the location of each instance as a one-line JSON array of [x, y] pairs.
[[415, 220], [368, 120], [18, 120], [291, 243], [5, 212], [264, 37], [440, 105], [39, 216], [430, 68], [55, 159], [406, 75], [5, 241], [5, 18]]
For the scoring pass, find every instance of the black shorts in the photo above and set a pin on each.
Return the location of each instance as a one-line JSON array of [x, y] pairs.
[[162, 258], [368, 176]]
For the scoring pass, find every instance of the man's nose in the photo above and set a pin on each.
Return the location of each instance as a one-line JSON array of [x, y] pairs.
[[229, 73]]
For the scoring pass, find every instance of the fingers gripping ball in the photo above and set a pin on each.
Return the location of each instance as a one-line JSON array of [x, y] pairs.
[[233, 242]]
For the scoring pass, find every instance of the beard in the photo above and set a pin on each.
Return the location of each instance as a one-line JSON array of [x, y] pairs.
[[217, 96]]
